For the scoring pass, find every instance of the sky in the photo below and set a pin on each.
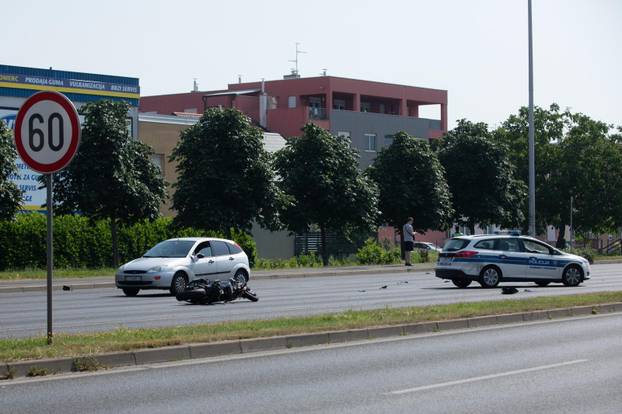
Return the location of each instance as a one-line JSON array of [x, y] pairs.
[[476, 49]]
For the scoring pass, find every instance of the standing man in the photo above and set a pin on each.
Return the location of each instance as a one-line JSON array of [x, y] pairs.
[[409, 239]]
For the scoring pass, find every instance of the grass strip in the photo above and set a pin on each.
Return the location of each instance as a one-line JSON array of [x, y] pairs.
[[78, 273], [123, 339]]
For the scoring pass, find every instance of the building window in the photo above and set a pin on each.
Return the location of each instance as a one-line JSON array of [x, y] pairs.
[[339, 104], [388, 140], [129, 124], [291, 102], [365, 107], [370, 140], [381, 108], [158, 161]]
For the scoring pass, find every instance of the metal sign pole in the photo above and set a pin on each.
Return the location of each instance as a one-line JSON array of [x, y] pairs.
[[50, 253]]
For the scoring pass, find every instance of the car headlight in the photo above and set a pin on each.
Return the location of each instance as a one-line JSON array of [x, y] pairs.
[[156, 269]]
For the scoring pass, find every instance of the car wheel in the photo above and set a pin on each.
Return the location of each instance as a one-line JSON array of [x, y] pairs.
[[542, 283], [178, 285], [573, 275], [461, 283], [131, 291], [241, 274], [490, 276]]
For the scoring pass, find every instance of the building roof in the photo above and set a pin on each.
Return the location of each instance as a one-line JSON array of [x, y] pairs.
[[240, 92], [273, 142]]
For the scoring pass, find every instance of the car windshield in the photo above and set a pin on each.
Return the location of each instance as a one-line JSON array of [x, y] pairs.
[[453, 245], [171, 248]]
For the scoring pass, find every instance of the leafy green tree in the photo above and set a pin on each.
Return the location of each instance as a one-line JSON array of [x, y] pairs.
[[575, 156], [589, 170], [319, 173], [549, 130], [225, 179], [481, 178], [10, 195], [111, 175], [411, 181]]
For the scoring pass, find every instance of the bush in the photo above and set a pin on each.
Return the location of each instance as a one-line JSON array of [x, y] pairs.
[[373, 253], [584, 252], [81, 243]]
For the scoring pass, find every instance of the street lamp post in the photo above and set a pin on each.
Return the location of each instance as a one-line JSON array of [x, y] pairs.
[[532, 164]]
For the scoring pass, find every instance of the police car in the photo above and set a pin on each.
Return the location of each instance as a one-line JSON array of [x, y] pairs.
[[490, 259]]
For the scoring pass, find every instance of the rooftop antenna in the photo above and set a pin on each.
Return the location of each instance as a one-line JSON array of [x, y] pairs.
[[295, 71], [195, 85]]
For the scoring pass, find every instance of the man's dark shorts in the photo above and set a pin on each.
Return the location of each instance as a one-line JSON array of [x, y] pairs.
[[409, 246]]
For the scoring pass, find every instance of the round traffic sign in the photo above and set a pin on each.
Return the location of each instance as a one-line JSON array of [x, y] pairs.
[[47, 132]]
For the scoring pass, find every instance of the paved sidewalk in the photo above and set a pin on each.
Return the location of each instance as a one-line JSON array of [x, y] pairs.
[[31, 285]]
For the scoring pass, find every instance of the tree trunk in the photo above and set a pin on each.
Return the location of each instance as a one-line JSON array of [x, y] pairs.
[[472, 228], [561, 237], [324, 247], [115, 242]]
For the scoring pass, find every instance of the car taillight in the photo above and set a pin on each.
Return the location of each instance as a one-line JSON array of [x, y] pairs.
[[466, 253]]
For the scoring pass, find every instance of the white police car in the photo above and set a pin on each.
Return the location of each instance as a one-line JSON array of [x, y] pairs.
[[490, 259]]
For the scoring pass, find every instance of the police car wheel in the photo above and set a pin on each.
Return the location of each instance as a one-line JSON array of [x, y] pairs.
[[490, 277], [573, 275], [461, 283]]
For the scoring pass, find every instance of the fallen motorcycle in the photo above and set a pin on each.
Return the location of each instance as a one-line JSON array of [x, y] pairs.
[[206, 291]]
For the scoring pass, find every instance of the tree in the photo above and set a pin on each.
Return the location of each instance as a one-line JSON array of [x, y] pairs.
[[319, 173], [225, 179], [411, 182], [549, 129], [575, 156], [10, 194], [481, 178], [111, 175]]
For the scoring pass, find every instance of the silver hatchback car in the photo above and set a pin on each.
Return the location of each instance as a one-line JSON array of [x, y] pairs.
[[490, 259], [173, 263]]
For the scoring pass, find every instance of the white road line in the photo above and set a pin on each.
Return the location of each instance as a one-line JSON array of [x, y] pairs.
[[486, 377]]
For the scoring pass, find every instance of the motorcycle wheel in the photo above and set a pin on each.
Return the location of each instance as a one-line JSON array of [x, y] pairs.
[[250, 295]]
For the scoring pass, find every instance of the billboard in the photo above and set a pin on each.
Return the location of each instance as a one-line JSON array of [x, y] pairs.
[[25, 178]]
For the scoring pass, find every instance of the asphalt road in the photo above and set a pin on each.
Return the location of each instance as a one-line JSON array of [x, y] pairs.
[[24, 314], [569, 366]]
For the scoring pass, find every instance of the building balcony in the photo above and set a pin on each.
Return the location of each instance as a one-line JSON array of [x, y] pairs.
[[364, 122]]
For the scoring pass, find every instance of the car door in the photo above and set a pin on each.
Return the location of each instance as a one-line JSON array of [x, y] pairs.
[[541, 263], [205, 265], [224, 260], [509, 259]]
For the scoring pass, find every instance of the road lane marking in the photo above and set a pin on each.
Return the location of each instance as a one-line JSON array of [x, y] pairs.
[[486, 377]]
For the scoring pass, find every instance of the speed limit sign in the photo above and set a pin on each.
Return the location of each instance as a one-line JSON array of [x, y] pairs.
[[47, 132]]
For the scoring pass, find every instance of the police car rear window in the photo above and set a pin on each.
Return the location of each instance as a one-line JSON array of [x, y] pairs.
[[453, 245]]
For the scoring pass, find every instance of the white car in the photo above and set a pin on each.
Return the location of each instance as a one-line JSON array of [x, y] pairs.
[[173, 263], [490, 259], [427, 246]]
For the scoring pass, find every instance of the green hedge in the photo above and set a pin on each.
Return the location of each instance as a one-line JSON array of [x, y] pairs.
[[79, 242]]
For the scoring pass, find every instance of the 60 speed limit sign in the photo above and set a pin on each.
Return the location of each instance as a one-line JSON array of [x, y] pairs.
[[47, 132]]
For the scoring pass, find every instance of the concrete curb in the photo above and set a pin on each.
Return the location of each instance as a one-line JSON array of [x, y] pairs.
[[248, 346], [295, 275]]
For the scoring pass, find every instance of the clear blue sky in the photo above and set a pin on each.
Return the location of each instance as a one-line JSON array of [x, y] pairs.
[[475, 49]]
